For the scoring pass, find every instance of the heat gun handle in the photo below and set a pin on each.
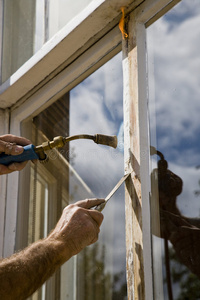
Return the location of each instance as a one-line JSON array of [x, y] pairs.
[[28, 154]]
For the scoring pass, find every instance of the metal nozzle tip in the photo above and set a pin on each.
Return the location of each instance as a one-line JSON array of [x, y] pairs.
[[108, 140]]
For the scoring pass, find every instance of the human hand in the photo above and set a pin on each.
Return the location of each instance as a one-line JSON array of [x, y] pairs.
[[12, 145], [170, 222], [186, 242], [78, 227]]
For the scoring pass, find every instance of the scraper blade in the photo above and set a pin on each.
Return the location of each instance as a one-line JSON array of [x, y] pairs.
[[102, 205]]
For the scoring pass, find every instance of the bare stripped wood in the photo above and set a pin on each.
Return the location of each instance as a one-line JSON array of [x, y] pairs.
[[138, 235], [134, 237]]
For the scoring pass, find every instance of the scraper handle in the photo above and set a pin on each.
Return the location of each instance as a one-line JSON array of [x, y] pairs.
[[28, 154]]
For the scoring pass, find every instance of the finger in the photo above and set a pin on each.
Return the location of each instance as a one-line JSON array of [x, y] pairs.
[[10, 148], [15, 139], [4, 170], [94, 240], [12, 145], [17, 166], [89, 203], [177, 220], [96, 216], [12, 167]]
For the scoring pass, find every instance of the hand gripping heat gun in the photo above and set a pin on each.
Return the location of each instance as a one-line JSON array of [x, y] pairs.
[[32, 152]]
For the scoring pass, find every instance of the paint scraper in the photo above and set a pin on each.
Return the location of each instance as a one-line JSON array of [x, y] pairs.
[[102, 205]]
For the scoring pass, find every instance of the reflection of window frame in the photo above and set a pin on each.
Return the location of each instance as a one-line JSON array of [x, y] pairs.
[[31, 89]]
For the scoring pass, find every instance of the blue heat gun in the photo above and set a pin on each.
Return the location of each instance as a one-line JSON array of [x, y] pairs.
[[32, 152]]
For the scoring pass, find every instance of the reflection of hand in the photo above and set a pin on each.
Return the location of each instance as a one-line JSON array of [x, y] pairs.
[[186, 242], [78, 227], [170, 222], [184, 236], [12, 145]]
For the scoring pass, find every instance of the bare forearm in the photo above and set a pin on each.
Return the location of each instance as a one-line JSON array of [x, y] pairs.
[[24, 272]]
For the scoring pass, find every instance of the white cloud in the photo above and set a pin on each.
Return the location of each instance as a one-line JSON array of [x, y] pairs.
[[97, 102], [96, 107]]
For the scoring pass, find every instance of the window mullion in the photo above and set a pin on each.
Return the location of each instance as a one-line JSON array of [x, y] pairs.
[[135, 141], [134, 243]]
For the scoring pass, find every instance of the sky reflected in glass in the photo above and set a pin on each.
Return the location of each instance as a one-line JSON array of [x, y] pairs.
[[96, 106], [174, 106]]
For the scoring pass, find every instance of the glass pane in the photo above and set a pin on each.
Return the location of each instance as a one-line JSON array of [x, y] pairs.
[[83, 169], [174, 106], [63, 11], [49, 184], [96, 107], [18, 35]]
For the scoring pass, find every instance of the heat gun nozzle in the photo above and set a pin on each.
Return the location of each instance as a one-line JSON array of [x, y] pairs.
[[108, 140]]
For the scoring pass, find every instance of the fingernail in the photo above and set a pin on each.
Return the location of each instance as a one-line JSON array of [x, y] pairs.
[[18, 149]]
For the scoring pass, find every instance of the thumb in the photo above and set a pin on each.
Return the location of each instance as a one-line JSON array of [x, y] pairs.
[[89, 203]]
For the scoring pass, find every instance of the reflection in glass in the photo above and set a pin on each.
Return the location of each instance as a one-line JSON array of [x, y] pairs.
[[83, 169], [174, 89], [60, 12], [18, 35], [96, 107]]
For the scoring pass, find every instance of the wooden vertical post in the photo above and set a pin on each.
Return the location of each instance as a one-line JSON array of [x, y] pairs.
[[134, 237], [136, 148]]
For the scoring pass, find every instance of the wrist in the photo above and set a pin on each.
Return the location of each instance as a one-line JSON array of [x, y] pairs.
[[62, 253]]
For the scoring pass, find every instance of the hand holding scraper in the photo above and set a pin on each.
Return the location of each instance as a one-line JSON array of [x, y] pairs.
[[102, 205]]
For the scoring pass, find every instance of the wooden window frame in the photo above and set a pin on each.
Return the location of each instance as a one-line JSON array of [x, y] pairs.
[[136, 148], [56, 69]]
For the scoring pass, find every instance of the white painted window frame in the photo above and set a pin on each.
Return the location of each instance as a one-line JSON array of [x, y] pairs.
[[68, 67]]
